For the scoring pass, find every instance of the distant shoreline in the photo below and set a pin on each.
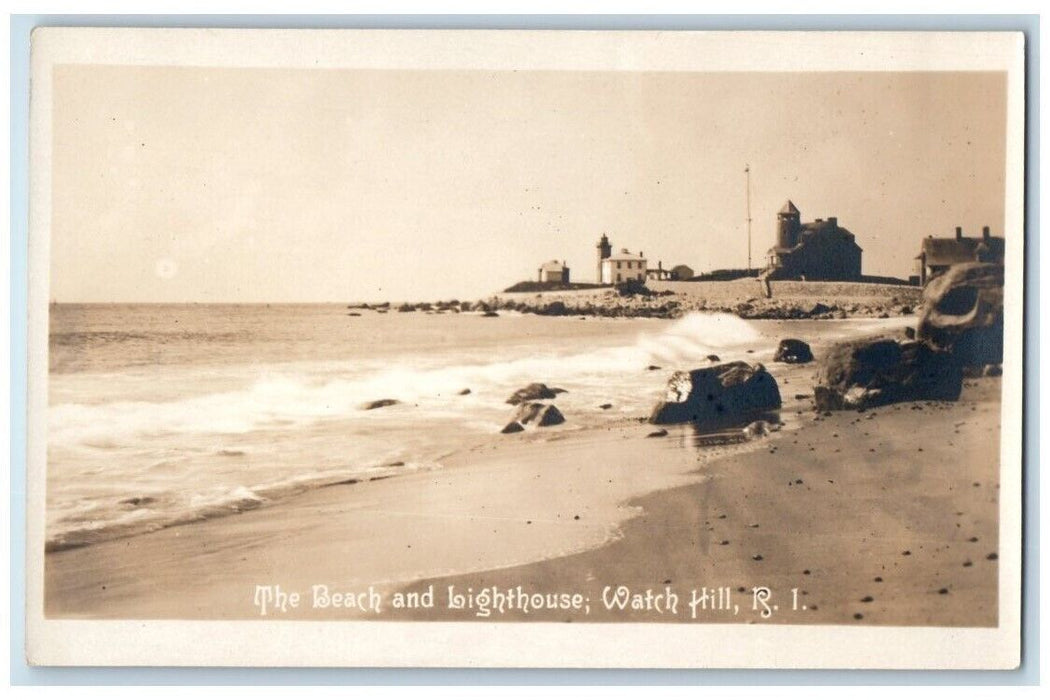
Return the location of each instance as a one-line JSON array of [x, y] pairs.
[[790, 299]]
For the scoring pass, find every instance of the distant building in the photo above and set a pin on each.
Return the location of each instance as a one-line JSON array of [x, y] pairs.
[[818, 250], [554, 271], [678, 272], [938, 254], [620, 267], [682, 272], [658, 272]]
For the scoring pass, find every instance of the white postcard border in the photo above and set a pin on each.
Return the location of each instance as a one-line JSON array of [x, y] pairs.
[[470, 644]]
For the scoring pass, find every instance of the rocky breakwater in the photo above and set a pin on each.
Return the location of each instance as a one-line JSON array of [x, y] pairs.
[[724, 395], [636, 300]]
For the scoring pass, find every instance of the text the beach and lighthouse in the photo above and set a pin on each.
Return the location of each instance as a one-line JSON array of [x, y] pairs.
[[696, 603]]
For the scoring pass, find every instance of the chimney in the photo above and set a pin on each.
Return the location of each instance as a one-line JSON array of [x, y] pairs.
[[641, 254], [958, 233], [986, 233], [833, 220]]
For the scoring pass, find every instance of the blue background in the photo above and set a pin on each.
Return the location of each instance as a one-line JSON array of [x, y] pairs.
[[21, 674]]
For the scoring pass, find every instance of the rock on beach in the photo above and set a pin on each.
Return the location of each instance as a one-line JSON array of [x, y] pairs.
[[716, 396], [874, 372]]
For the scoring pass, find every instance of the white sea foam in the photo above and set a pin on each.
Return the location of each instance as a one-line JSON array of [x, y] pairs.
[[278, 399]]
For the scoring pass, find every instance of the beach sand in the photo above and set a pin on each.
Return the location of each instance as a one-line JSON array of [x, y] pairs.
[[899, 504]]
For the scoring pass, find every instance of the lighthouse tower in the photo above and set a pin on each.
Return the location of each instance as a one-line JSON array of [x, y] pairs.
[[604, 251]]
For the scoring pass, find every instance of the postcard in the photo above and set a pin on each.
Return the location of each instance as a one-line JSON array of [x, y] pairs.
[[525, 348]]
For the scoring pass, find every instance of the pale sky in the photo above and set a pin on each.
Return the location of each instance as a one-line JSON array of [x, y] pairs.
[[214, 184]]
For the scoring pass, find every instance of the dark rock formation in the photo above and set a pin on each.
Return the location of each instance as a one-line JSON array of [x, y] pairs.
[[540, 415], [512, 427], [721, 395], [464, 392], [379, 404], [962, 312], [657, 433], [793, 351], [534, 392], [873, 372], [489, 314], [555, 308]]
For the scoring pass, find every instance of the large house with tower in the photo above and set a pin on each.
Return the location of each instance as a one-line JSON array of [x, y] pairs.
[[817, 250]]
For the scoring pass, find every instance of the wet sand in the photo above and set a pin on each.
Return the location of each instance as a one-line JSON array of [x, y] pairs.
[[885, 517], [899, 505]]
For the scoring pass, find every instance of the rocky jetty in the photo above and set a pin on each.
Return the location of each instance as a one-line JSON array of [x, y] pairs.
[[790, 300], [725, 394]]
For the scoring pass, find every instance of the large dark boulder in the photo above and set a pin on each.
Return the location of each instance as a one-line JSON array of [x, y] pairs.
[[539, 415], [726, 394], [793, 351], [962, 313], [873, 372], [534, 392]]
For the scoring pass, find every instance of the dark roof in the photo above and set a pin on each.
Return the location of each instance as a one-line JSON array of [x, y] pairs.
[[817, 230], [822, 225], [950, 251], [788, 208]]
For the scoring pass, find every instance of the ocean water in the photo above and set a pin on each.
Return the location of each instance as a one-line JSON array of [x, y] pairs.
[[166, 414]]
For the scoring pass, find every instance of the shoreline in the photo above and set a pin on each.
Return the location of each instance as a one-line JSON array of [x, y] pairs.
[[504, 513], [871, 530]]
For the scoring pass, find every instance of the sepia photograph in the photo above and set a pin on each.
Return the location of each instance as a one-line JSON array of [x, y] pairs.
[[629, 348]]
